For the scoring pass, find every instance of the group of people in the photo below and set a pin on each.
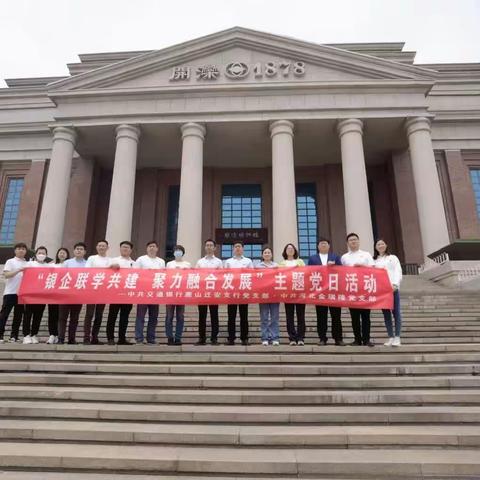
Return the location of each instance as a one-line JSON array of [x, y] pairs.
[[59, 315]]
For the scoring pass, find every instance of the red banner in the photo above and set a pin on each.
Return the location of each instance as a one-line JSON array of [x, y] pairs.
[[358, 287]]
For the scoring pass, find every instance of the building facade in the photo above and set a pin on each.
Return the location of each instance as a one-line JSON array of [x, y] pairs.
[[249, 134]]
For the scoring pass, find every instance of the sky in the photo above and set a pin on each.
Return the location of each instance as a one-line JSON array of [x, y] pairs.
[[39, 37]]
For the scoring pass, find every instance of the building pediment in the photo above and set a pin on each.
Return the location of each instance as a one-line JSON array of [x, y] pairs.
[[240, 56]]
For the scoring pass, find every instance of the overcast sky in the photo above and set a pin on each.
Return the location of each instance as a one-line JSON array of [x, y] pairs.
[[39, 37]]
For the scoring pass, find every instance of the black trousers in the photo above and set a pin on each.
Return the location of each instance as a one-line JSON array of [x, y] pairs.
[[97, 312], [10, 301], [232, 315], [361, 325], [65, 311], [202, 322], [295, 334], [322, 322], [113, 311], [32, 319], [53, 316]]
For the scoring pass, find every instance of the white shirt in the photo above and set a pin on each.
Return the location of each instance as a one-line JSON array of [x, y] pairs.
[[150, 263], [239, 262], [209, 262], [360, 257], [74, 263], [394, 269], [323, 258], [181, 264], [97, 261], [123, 262], [12, 284]]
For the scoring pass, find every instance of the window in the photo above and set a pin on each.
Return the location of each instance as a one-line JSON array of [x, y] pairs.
[[307, 219], [172, 220], [10, 210], [475, 176], [242, 208]]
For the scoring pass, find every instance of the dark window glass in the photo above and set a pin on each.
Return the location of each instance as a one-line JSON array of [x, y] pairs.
[[172, 220], [10, 210], [475, 176], [307, 219]]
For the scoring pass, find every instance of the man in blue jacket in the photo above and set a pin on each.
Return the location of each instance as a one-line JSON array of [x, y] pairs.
[[325, 257]]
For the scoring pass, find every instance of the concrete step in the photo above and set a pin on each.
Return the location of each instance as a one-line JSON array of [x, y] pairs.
[[241, 414], [451, 436], [242, 382], [248, 460], [459, 396]]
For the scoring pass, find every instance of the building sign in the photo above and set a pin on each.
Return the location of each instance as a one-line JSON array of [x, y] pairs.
[[355, 287], [228, 236], [239, 71]]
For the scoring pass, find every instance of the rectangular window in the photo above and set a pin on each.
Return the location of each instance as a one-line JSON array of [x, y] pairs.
[[10, 210], [172, 220], [307, 219], [475, 176], [242, 208]]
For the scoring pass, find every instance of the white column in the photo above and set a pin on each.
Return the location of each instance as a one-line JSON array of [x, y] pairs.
[[431, 213], [189, 232], [284, 200], [52, 218], [355, 187], [120, 210]]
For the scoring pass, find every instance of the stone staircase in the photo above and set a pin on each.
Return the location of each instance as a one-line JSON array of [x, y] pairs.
[[168, 412]]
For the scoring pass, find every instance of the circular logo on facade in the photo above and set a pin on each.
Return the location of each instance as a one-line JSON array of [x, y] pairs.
[[236, 70]]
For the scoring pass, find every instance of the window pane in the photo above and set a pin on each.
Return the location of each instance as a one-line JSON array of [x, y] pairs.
[[10, 211], [475, 176], [307, 218]]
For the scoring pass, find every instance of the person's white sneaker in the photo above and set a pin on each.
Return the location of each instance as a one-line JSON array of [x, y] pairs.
[[2, 340], [35, 339], [51, 339], [12, 340], [27, 339], [301, 343], [275, 343], [396, 342], [293, 344], [389, 343], [265, 343], [55, 340]]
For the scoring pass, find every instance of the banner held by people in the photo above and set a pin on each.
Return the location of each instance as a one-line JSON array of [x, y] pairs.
[[356, 287]]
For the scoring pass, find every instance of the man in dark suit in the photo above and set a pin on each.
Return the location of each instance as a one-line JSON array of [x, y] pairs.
[[325, 257]]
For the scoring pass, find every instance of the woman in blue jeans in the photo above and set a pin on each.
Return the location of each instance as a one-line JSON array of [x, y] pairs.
[[384, 259], [269, 312]]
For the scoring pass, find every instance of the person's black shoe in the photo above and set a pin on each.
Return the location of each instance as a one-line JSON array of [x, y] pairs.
[[124, 342], [111, 342], [61, 342], [322, 343], [87, 342], [96, 341], [170, 341], [214, 342], [230, 342], [245, 343], [369, 344], [355, 344], [72, 342], [200, 343], [340, 343], [177, 342]]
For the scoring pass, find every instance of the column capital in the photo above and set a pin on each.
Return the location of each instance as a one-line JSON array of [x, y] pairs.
[[349, 125], [281, 126], [128, 131], [417, 124], [192, 129], [65, 133]]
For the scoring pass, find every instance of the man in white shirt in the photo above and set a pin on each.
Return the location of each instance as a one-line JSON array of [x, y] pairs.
[[208, 261], [360, 316], [13, 273], [100, 260], [71, 310], [238, 261], [149, 261], [123, 261]]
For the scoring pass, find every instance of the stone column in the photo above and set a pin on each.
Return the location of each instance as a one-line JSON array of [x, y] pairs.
[[52, 218], [284, 200], [189, 232], [120, 210], [355, 187], [431, 213]]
